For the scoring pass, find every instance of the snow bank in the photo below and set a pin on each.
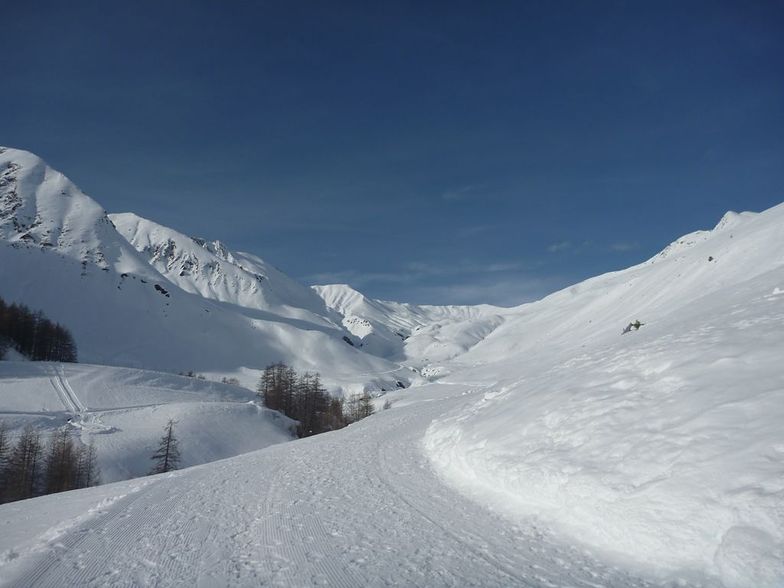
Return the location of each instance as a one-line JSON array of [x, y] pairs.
[[662, 446]]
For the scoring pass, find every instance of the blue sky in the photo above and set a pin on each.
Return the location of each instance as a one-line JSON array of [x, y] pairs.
[[434, 152]]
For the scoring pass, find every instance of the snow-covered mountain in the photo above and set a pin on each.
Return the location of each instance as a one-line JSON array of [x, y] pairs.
[[160, 299], [175, 304], [41, 209], [423, 336], [211, 270]]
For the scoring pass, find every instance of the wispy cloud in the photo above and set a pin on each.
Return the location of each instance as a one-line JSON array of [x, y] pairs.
[[414, 271], [588, 246], [560, 246], [357, 278], [622, 246], [460, 194], [508, 291], [461, 267], [503, 267], [475, 230], [506, 283]]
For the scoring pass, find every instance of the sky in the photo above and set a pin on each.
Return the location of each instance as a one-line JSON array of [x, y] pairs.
[[429, 152]]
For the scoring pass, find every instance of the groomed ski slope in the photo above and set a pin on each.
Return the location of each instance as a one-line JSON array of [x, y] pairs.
[[359, 507]]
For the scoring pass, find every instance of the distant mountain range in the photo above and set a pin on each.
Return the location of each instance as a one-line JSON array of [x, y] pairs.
[[138, 294]]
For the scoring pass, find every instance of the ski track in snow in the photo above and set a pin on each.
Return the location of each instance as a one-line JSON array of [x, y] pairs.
[[361, 507], [57, 381], [81, 417], [66, 393]]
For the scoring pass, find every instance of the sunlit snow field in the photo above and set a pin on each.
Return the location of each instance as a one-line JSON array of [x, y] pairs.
[[548, 448]]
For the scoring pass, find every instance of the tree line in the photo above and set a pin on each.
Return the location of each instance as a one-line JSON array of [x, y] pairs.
[[303, 398], [33, 335], [31, 467]]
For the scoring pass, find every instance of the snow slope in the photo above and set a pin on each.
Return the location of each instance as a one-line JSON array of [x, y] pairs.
[[358, 507], [122, 411], [61, 253], [661, 446]]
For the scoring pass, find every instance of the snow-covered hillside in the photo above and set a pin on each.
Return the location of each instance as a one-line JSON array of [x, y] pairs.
[[174, 305], [122, 412], [663, 445]]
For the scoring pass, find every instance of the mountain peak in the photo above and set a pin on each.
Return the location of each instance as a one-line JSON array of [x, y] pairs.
[[41, 208]]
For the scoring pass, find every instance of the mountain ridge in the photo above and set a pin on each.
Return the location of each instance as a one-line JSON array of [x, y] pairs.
[[61, 252]]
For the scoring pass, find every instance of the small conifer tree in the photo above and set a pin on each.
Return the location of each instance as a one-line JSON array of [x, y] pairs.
[[167, 456]]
